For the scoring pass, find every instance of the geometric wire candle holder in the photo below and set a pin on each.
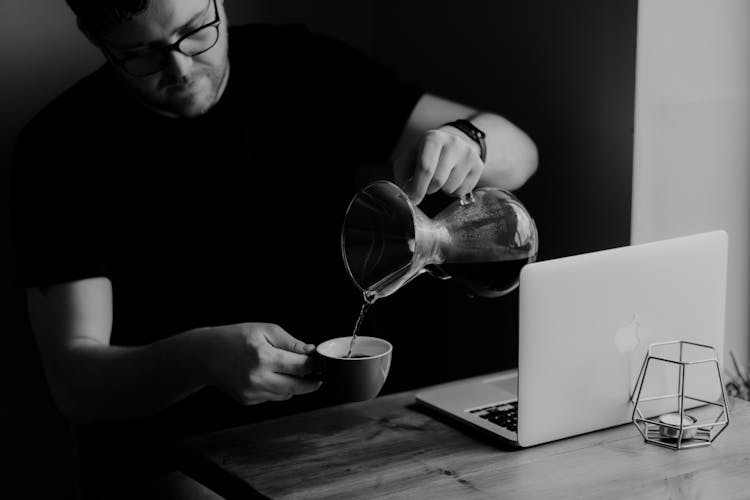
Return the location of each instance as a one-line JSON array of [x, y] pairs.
[[661, 418]]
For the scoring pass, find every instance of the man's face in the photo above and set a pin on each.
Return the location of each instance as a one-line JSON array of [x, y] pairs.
[[187, 86]]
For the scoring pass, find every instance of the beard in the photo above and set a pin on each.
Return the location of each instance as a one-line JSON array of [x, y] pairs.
[[193, 95], [183, 96]]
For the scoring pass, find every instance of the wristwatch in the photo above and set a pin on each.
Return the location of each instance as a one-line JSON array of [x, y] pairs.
[[474, 133]]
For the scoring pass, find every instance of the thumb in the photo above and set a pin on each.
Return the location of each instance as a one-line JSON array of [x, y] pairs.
[[280, 339]]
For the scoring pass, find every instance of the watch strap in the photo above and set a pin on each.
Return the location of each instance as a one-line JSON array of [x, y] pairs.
[[474, 133]]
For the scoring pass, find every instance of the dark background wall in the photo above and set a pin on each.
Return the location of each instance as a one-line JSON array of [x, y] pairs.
[[563, 71]]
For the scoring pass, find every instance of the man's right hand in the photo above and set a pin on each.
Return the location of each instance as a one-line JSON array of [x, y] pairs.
[[257, 362], [93, 380]]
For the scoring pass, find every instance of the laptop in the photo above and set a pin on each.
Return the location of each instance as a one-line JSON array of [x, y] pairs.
[[585, 325]]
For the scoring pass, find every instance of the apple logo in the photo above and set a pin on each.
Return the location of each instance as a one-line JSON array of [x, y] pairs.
[[626, 337]]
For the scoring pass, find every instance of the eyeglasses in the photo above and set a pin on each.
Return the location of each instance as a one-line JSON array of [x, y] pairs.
[[196, 42]]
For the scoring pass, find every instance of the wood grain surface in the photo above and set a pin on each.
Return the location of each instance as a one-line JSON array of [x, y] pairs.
[[393, 448]]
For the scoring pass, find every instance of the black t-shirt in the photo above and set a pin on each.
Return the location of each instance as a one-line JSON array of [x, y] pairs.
[[230, 217]]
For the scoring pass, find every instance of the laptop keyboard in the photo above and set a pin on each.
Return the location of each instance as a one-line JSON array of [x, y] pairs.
[[503, 414]]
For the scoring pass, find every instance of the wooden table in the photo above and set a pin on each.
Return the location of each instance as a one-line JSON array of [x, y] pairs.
[[393, 448]]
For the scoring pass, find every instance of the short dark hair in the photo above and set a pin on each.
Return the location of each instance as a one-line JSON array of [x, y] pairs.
[[101, 16]]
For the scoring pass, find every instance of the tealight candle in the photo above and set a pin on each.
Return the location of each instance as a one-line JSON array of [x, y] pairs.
[[674, 419]]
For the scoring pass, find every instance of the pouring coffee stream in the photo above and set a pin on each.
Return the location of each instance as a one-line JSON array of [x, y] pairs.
[[481, 241], [365, 306]]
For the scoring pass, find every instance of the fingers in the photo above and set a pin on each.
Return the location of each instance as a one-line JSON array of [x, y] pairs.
[[286, 354], [427, 158], [470, 181], [292, 363], [283, 385], [275, 387], [265, 384], [279, 338], [449, 170], [256, 362], [443, 161]]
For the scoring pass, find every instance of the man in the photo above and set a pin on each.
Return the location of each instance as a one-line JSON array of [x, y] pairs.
[[178, 206]]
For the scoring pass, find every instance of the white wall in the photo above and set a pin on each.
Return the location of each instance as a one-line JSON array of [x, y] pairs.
[[692, 135]]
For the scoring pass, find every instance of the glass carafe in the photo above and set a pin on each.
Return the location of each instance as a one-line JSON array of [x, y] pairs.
[[481, 241]]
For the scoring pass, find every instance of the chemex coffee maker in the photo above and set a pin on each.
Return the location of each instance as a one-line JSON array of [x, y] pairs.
[[481, 241]]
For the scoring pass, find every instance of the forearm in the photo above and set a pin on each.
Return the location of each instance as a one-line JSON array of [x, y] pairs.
[[511, 155], [103, 382]]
